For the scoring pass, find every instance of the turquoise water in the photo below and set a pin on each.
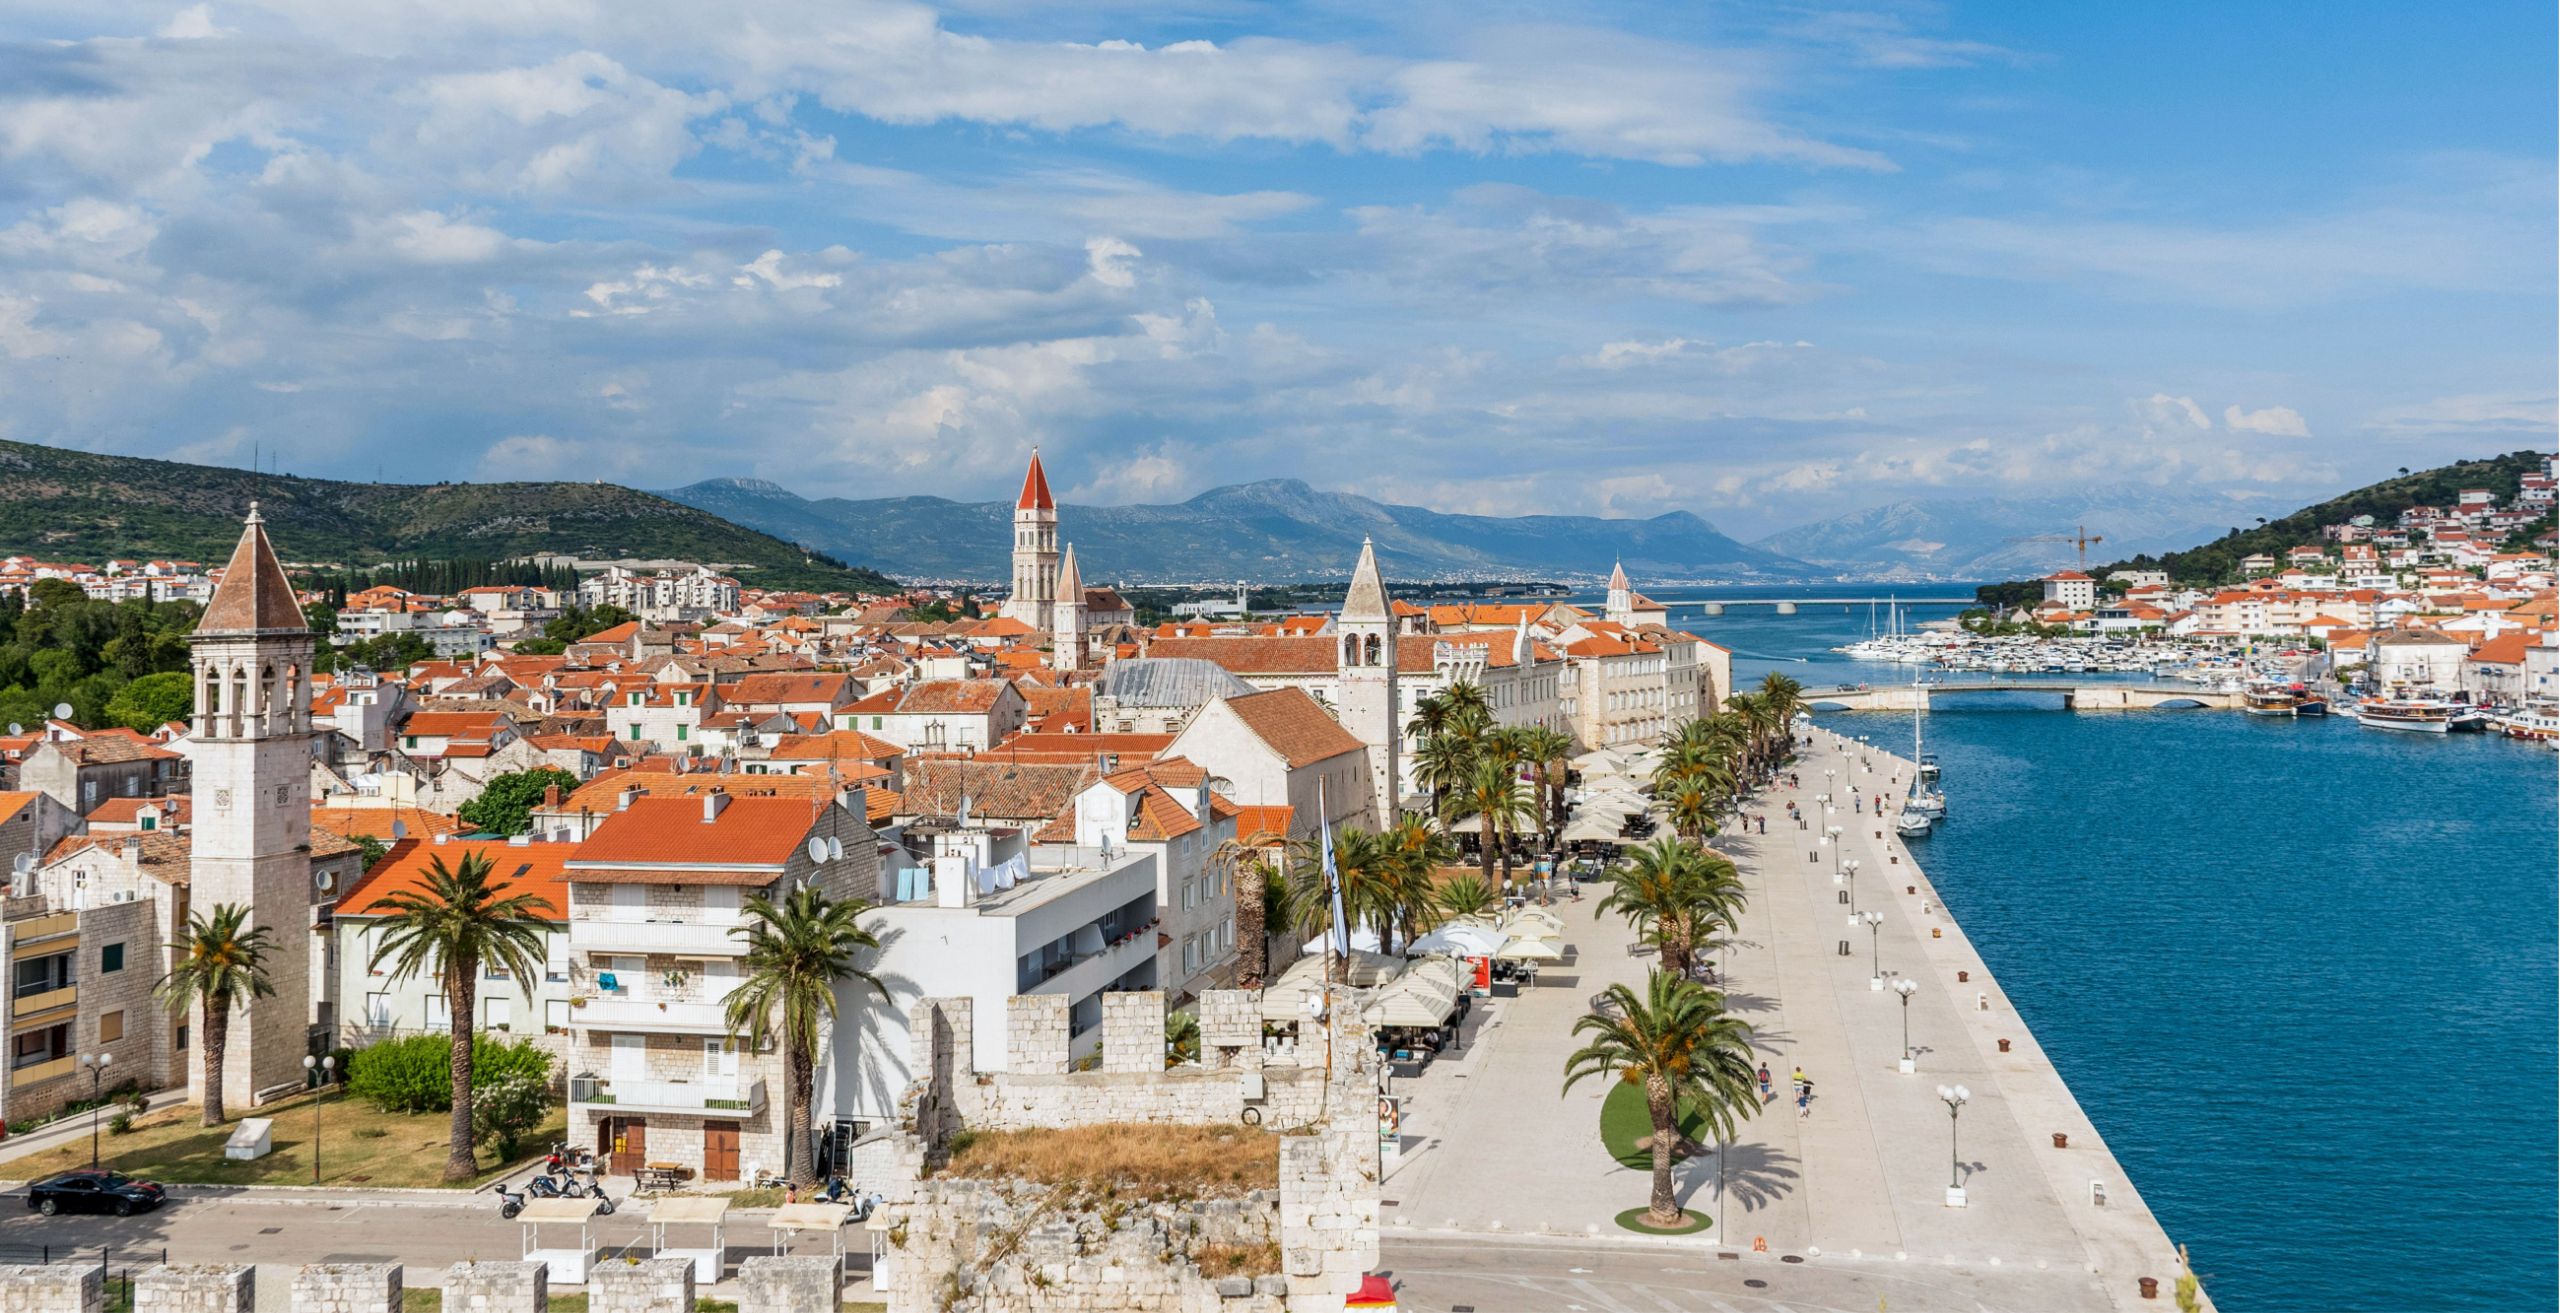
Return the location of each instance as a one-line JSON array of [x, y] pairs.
[[2299, 974]]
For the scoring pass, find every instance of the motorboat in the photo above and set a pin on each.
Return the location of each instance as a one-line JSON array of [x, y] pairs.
[[1928, 765], [2534, 724], [2276, 697], [2420, 715], [1913, 823]]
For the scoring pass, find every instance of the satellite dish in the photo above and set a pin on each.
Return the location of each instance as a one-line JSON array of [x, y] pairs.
[[399, 831], [23, 863], [835, 848], [62, 711], [16, 729], [327, 880], [817, 849]]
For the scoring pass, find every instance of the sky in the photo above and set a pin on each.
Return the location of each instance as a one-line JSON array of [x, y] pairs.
[[1766, 262]]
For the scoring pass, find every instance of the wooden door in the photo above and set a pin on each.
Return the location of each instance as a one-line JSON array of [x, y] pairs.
[[719, 1151], [626, 1145]]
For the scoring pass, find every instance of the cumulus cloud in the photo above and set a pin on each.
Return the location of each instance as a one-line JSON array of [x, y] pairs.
[[2160, 411], [2275, 421]]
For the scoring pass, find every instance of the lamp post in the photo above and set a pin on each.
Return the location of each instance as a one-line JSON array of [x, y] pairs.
[[1832, 832], [327, 1070], [1906, 987], [1851, 866], [1875, 955], [96, 1065], [1955, 1097]]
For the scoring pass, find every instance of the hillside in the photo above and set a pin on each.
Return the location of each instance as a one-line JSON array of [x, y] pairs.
[[2218, 561], [1969, 537], [1274, 531], [84, 506]]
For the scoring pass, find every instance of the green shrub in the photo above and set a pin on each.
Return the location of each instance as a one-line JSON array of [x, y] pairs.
[[416, 1074], [503, 1111], [120, 1124]]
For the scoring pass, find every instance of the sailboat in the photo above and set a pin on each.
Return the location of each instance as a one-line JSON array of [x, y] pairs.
[[1930, 803]]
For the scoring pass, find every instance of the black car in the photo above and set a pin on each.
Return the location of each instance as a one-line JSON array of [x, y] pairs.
[[94, 1192]]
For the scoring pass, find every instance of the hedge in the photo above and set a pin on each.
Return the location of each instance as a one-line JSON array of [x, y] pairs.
[[416, 1074]]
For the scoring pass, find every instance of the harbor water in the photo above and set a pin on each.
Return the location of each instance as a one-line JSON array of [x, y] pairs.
[[2300, 974]]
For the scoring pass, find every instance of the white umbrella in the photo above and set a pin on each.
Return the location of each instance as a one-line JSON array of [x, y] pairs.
[[1463, 940], [1531, 950], [1363, 940], [1591, 829]]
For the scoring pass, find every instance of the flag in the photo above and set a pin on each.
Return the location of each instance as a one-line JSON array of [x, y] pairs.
[[1332, 879]]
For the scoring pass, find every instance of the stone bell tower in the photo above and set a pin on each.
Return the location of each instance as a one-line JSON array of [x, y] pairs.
[[1366, 699], [251, 749]]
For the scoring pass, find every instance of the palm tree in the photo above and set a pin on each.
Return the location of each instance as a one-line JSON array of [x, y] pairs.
[[797, 950], [1691, 806], [1442, 765], [1430, 717], [1687, 1053], [1468, 896], [1492, 796], [1467, 704], [1371, 872], [455, 922], [1421, 849], [219, 967], [1675, 893], [1549, 750], [1181, 1039], [1257, 909]]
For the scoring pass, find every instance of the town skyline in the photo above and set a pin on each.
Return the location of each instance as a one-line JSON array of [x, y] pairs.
[[1762, 265]]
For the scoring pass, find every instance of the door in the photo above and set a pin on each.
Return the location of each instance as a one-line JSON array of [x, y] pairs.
[[719, 1151], [719, 1061], [630, 1057], [626, 1145]]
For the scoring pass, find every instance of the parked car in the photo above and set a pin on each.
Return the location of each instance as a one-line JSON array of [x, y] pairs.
[[94, 1192]]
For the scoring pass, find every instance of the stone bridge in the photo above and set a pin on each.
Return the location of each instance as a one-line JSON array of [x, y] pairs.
[[2075, 696]]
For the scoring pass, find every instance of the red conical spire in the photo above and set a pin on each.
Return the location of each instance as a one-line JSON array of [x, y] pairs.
[[1035, 488]]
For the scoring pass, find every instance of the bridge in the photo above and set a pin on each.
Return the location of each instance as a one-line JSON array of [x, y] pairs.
[[2075, 697]]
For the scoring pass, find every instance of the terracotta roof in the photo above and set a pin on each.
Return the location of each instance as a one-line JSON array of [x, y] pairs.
[[1260, 825], [1060, 708], [1035, 488], [254, 596], [952, 697], [111, 749], [115, 811], [376, 822], [14, 801], [532, 868], [840, 745], [750, 831], [997, 790], [1294, 725], [1069, 749], [771, 689], [598, 795], [165, 853]]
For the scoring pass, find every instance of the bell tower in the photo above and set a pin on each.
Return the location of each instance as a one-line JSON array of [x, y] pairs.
[[1365, 695], [1035, 549], [251, 748], [1066, 626]]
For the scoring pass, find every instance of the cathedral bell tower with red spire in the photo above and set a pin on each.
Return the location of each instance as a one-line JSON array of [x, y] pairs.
[[1035, 550]]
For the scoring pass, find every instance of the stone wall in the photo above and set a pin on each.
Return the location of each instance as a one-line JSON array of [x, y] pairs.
[[983, 1247], [346, 1288], [1133, 1031], [196, 1288], [1036, 1033], [1231, 1029], [497, 1288], [67, 1288], [649, 1285], [773, 1284]]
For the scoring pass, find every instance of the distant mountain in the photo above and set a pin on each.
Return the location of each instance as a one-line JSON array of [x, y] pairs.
[[1274, 531], [1968, 538], [85, 506], [2217, 559]]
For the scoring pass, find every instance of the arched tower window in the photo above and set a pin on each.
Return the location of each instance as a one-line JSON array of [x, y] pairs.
[[1373, 649]]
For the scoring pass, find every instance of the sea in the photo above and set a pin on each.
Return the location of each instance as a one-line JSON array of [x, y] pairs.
[[2300, 974]]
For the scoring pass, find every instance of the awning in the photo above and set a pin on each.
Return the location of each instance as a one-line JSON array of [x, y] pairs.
[[1286, 998]]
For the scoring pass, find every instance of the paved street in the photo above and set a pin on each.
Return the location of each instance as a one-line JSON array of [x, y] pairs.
[[1495, 1148]]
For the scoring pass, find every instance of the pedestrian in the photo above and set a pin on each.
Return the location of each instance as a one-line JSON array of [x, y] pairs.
[[1804, 1099], [1766, 1093], [1858, 803], [1764, 825], [1798, 1084]]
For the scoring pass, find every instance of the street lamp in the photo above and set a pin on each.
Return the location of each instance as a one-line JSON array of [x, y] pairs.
[[1906, 987], [96, 1065], [1955, 1097], [1832, 832], [327, 1069], [1875, 955], [1851, 866]]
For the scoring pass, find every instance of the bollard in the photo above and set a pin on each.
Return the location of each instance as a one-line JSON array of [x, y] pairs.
[[2004, 1046], [1964, 977]]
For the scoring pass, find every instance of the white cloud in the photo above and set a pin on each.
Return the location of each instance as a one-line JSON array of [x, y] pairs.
[[1110, 259], [193, 23], [2161, 411], [2482, 412], [2275, 421]]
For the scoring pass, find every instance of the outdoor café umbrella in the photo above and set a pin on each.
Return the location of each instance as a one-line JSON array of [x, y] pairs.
[[1530, 950], [1462, 939]]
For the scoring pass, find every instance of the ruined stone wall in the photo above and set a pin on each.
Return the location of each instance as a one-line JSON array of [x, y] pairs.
[[982, 1247]]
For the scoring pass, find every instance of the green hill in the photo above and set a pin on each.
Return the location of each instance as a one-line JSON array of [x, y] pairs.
[[83, 506], [2219, 561]]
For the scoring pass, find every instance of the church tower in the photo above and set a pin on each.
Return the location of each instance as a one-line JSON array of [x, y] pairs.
[[1365, 698], [1621, 608], [1035, 549], [1066, 623], [251, 749]]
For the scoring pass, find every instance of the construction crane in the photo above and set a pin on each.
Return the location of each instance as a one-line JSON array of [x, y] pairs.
[[2080, 539]]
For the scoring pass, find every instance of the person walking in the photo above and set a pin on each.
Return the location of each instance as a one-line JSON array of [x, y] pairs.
[[1804, 1097], [1767, 1094]]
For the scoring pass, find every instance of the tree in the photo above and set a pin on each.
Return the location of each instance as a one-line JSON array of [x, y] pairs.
[[1181, 1039], [1468, 896], [797, 950], [1261, 901], [153, 700], [506, 805], [1674, 893], [1685, 1051], [504, 1110], [220, 965], [455, 921], [1492, 795], [1691, 806], [1369, 869]]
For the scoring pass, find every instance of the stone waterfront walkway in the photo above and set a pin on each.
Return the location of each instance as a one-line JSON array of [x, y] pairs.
[[1494, 1147]]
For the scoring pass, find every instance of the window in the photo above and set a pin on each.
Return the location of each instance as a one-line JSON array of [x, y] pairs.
[[182, 1037], [111, 1027], [555, 1014], [40, 1046], [439, 1012], [43, 975], [683, 733], [635, 733], [496, 1013], [110, 959], [377, 1011], [409, 741]]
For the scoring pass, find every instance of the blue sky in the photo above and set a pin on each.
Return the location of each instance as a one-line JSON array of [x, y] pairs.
[[1765, 262]]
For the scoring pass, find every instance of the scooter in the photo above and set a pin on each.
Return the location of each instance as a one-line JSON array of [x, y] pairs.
[[564, 1159], [837, 1192], [543, 1187], [510, 1202]]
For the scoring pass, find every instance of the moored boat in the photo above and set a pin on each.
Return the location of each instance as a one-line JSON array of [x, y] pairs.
[[1913, 823], [2275, 697], [2421, 715]]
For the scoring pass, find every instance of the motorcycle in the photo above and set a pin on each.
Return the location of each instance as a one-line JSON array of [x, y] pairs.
[[510, 1202], [837, 1192], [543, 1187], [564, 1160]]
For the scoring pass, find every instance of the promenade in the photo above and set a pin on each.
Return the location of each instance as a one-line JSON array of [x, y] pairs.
[[1855, 1190]]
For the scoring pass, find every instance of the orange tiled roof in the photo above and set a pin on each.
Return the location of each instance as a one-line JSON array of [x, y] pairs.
[[751, 831], [1294, 725], [533, 868]]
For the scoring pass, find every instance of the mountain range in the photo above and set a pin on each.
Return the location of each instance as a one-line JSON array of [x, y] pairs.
[[1273, 531], [1972, 538], [85, 506]]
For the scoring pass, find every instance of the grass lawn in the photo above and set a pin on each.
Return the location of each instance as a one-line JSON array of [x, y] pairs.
[[1623, 1121], [359, 1145]]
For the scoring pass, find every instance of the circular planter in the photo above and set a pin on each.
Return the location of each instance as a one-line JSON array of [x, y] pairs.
[[1695, 1221]]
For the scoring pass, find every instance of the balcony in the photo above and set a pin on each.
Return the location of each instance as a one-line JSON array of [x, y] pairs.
[[39, 1072], [661, 1013], [46, 927], [24, 1006], [686, 932], [708, 1097]]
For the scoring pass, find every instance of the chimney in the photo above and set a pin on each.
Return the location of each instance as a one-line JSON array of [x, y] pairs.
[[551, 797], [442, 836], [713, 803], [622, 801]]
